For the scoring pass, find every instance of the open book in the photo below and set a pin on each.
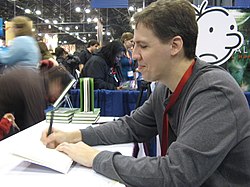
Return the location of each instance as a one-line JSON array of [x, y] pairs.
[[39, 154]]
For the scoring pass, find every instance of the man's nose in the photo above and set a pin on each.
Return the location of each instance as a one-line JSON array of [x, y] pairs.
[[136, 55]]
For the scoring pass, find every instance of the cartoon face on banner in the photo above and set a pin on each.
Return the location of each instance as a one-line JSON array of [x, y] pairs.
[[218, 37]]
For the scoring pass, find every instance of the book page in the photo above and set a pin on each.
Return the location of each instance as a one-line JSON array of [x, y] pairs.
[[38, 154]]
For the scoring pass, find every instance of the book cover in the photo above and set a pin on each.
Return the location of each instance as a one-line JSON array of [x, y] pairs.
[[86, 94]]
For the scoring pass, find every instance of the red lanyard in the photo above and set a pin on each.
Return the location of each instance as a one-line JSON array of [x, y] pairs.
[[113, 72], [172, 101]]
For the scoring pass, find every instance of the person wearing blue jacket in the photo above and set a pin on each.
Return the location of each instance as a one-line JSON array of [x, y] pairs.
[[127, 62], [23, 50]]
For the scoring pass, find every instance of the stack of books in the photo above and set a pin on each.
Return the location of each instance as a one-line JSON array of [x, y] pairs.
[[86, 117], [61, 115]]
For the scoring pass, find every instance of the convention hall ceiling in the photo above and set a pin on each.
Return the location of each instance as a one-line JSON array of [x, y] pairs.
[[72, 25]]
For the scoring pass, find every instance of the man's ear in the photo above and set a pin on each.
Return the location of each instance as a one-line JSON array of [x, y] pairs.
[[177, 45]]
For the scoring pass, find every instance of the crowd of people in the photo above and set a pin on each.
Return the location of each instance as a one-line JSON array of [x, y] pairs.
[[27, 68], [198, 110]]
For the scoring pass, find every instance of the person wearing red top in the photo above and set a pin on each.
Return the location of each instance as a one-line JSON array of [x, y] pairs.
[[7, 126]]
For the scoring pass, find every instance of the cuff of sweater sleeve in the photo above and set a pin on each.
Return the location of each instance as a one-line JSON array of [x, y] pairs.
[[103, 163], [87, 136]]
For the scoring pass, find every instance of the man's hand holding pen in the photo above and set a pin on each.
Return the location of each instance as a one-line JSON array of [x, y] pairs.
[[71, 144], [57, 137]]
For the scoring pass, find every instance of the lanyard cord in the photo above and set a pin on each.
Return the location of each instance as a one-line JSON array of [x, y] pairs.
[[172, 101]]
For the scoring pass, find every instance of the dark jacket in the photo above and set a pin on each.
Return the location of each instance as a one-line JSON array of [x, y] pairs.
[[23, 93], [105, 77]]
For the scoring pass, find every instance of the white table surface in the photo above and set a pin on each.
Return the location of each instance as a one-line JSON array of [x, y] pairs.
[[16, 172]]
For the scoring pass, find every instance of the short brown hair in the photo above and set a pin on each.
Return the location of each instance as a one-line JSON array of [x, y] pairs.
[[127, 36], [23, 25], [169, 18], [92, 43]]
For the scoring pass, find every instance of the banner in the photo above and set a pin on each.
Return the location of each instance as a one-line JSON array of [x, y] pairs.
[[239, 64], [109, 4], [1, 26]]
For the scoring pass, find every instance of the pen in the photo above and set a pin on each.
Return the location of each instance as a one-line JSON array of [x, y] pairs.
[[51, 122], [99, 123]]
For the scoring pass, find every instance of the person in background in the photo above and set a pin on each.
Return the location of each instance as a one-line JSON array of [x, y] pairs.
[[85, 54], [103, 67], [60, 54], [69, 61], [26, 93], [198, 109], [47, 57], [127, 62], [8, 126], [24, 50]]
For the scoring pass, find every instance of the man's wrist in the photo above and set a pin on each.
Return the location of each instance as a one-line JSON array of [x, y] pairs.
[[75, 136]]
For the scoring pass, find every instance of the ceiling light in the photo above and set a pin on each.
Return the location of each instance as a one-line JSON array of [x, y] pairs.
[[27, 11], [95, 19], [131, 8], [78, 9], [87, 10], [38, 12], [89, 20]]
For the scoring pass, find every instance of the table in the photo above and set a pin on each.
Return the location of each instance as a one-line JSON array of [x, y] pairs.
[[16, 172], [112, 102]]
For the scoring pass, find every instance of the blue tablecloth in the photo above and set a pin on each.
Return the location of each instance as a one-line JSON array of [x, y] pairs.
[[117, 102], [247, 94], [112, 102]]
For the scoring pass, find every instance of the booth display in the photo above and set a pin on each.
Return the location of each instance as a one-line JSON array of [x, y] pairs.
[[111, 102], [238, 64]]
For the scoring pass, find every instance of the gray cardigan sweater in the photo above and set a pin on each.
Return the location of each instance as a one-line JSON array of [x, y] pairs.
[[209, 136]]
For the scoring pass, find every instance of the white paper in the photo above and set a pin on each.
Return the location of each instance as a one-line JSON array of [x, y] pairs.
[[39, 154]]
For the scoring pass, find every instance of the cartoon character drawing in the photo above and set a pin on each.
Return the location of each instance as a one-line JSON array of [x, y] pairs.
[[218, 37]]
